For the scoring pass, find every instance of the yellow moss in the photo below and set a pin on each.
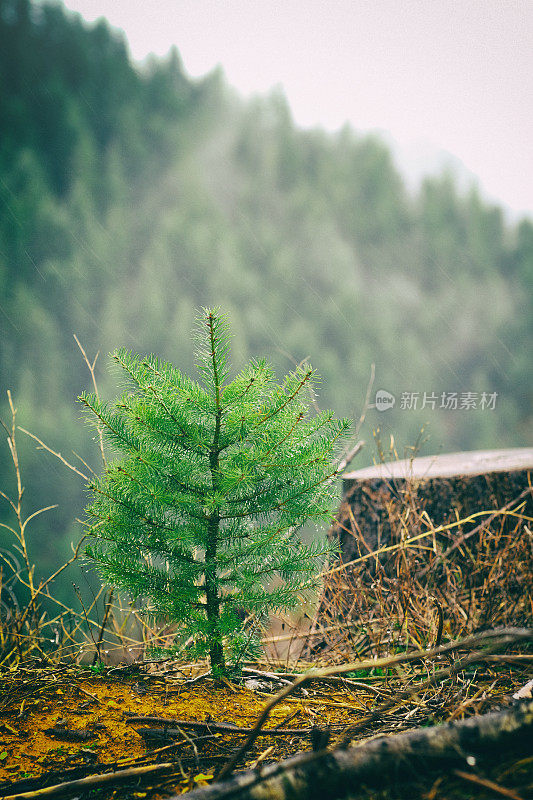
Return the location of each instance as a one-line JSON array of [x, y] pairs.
[[102, 705]]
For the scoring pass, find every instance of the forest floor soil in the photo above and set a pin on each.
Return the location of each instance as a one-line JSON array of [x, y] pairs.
[[64, 723]]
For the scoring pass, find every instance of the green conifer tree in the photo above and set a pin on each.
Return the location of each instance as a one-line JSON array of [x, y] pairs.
[[201, 513]]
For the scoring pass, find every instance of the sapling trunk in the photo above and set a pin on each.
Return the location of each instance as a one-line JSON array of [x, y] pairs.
[[216, 649]]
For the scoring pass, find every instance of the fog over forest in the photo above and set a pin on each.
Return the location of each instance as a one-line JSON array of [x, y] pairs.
[[131, 197]]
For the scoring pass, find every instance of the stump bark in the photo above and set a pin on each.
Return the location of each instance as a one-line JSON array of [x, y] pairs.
[[447, 487], [388, 503]]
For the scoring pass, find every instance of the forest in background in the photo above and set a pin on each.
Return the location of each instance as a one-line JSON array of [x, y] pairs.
[[132, 195]]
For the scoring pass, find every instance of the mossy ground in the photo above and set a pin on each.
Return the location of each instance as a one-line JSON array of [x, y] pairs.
[[63, 723], [71, 723]]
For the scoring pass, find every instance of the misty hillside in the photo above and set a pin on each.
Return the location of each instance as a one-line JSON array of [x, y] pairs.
[[132, 196]]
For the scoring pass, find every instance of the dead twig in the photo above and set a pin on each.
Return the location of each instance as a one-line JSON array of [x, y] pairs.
[[53, 452], [494, 787], [90, 782], [504, 636], [218, 727], [90, 367], [465, 536]]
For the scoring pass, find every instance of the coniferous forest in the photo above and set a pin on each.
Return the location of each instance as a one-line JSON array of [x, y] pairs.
[[280, 303], [131, 195]]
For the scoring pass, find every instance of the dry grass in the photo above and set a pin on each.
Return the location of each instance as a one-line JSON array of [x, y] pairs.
[[429, 583]]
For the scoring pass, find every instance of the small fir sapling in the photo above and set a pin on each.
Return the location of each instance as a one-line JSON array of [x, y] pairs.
[[200, 515]]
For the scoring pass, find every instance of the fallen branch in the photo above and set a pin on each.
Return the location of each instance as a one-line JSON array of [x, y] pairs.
[[458, 665], [497, 637], [91, 781], [69, 735], [218, 727], [494, 787], [339, 774]]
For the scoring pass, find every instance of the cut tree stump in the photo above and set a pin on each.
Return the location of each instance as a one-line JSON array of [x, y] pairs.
[[429, 491], [448, 487]]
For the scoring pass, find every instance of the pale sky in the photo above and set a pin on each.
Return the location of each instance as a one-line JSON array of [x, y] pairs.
[[453, 75]]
